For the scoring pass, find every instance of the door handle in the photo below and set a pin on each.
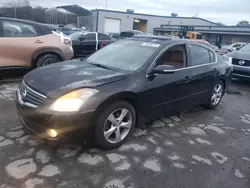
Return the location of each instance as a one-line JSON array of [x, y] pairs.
[[38, 41]]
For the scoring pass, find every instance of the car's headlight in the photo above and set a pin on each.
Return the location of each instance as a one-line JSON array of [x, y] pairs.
[[228, 59], [72, 102]]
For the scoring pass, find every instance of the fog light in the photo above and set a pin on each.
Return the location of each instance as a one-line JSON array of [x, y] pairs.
[[52, 133]]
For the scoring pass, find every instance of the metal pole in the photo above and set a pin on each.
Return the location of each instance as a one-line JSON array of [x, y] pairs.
[[106, 5], [96, 4], [15, 11]]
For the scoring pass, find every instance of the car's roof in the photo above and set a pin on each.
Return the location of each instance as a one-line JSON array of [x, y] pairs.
[[164, 40], [157, 39], [23, 21]]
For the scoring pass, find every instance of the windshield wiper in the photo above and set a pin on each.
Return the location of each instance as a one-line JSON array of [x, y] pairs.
[[99, 65]]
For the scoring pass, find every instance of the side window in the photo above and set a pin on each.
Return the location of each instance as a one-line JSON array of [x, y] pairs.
[[90, 36], [103, 37], [175, 56], [18, 29], [237, 45], [198, 55], [212, 56]]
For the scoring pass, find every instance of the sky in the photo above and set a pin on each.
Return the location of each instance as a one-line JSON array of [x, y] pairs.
[[228, 12]]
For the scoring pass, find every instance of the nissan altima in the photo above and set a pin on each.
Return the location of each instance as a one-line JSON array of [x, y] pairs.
[[127, 83]]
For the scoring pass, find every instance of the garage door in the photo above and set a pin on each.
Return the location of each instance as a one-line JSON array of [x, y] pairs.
[[112, 25]]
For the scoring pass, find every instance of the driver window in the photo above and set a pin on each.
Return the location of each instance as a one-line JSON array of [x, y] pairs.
[[175, 56]]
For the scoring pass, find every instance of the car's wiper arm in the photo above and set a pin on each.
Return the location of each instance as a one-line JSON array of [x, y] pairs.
[[99, 65]]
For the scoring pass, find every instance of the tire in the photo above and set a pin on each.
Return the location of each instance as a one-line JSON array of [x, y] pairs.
[[47, 59], [215, 98], [105, 134]]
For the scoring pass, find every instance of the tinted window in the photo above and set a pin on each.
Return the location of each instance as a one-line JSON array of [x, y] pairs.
[[90, 36], [17, 29], [103, 37], [237, 45], [212, 56], [198, 55], [126, 34], [76, 35], [125, 54]]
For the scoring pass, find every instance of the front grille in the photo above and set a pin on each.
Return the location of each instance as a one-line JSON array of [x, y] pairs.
[[29, 95], [241, 62]]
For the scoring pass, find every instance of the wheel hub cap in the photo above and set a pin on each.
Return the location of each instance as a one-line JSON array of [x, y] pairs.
[[217, 94], [117, 125]]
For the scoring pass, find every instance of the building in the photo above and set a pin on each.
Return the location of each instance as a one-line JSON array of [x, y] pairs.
[[116, 21], [109, 21]]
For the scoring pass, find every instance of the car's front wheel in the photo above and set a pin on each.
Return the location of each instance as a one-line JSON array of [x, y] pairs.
[[216, 95], [115, 124]]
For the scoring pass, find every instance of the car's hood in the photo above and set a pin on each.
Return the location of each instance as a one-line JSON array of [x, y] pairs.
[[60, 78], [240, 54]]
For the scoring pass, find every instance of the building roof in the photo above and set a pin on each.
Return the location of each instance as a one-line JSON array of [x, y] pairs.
[[75, 9], [152, 15], [209, 29]]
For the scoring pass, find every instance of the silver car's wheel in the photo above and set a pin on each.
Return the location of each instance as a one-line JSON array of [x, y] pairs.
[[114, 125], [117, 125], [217, 94]]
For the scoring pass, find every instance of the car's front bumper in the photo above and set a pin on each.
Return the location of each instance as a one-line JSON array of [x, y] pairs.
[[39, 122], [241, 71]]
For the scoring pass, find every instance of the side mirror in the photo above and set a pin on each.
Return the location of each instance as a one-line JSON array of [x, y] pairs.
[[163, 69], [238, 48]]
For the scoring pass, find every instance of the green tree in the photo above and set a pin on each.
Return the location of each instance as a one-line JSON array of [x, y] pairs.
[[243, 23]]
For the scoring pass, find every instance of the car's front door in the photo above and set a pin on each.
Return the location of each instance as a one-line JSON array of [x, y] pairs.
[[89, 44], [166, 93], [204, 71], [17, 43]]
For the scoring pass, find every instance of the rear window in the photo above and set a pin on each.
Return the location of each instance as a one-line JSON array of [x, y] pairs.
[[126, 34]]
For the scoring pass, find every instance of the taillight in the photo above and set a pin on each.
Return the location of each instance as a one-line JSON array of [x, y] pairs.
[[67, 41]]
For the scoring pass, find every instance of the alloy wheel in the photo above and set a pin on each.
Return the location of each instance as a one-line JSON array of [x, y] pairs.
[[49, 61], [117, 125], [217, 94]]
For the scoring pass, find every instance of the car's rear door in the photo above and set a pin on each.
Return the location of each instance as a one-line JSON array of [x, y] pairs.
[[103, 40], [17, 43], [204, 71], [89, 44]]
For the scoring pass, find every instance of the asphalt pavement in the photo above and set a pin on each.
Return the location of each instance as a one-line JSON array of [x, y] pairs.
[[196, 149]]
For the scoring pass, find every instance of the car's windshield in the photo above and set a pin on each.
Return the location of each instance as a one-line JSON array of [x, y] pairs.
[[246, 48], [128, 55]]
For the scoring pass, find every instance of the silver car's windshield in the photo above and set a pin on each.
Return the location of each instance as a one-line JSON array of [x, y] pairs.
[[128, 55], [246, 48]]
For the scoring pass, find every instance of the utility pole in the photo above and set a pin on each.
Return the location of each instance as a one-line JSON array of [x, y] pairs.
[[106, 5], [14, 6], [197, 10], [96, 4]]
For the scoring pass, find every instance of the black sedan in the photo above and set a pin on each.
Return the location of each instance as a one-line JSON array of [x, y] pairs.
[[65, 30], [86, 43], [129, 82], [241, 62]]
